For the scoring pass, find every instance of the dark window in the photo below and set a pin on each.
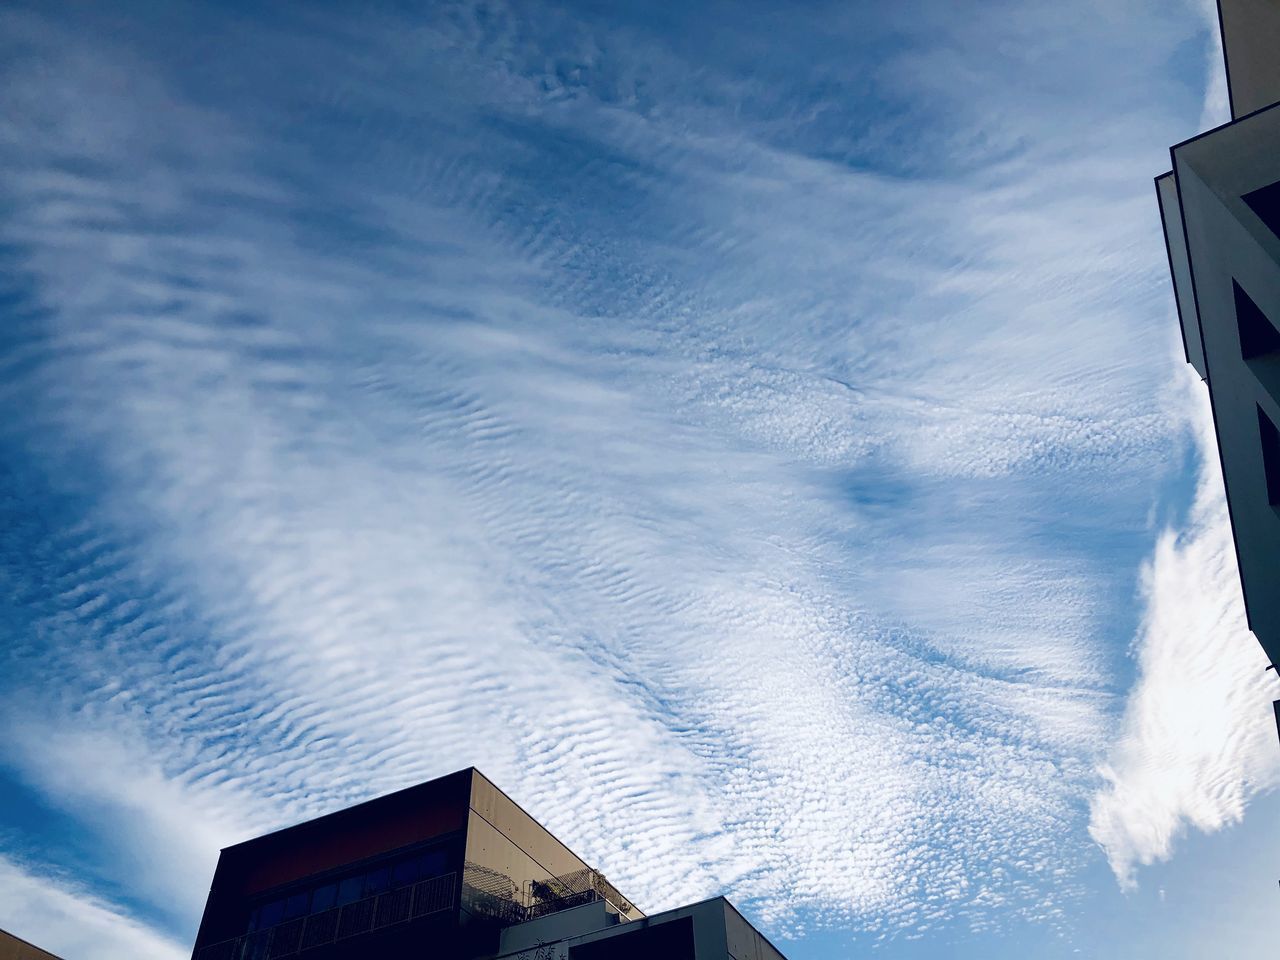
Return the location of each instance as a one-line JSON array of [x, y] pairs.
[[377, 881], [431, 865], [1270, 437], [1266, 204], [297, 905], [257, 912], [324, 897], [350, 889], [672, 940], [272, 913], [404, 872], [1258, 335]]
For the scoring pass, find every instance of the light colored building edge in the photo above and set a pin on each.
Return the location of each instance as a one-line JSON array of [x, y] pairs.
[[532, 852], [15, 948], [1224, 259], [1251, 51]]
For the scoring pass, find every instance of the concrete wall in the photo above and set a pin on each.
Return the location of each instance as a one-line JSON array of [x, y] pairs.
[[1229, 246], [1251, 42], [719, 931], [502, 837], [1175, 242], [522, 941], [707, 919], [745, 942]]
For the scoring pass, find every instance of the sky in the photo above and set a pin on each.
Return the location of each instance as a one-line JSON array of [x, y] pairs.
[[755, 435]]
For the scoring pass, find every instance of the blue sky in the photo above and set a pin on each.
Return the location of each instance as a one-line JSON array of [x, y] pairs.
[[754, 435]]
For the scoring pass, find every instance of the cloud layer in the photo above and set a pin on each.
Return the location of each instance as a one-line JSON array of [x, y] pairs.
[[730, 453]]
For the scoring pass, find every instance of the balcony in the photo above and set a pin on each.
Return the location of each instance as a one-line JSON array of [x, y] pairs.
[[295, 937], [495, 895]]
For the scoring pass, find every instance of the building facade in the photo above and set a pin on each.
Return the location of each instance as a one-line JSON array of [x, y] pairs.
[[712, 928], [15, 948], [1221, 210], [448, 869]]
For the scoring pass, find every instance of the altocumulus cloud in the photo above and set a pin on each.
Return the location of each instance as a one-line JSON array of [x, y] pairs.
[[740, 447]]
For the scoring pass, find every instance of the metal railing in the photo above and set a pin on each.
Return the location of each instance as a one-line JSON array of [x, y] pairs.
[[372, 913], [492, 894], [571, 890]]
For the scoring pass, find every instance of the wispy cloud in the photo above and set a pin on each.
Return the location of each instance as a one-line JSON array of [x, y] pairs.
[[737, 479], [71, 921], [160, 828]]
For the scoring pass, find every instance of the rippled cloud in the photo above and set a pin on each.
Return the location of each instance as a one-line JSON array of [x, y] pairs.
[[741, 451]]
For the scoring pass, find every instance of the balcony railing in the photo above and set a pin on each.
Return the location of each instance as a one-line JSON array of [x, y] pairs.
[[571, 890], [492, 894], [295, 937]]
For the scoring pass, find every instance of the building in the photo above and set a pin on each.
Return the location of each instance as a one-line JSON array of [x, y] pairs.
[[712, 928], [1221, 210], [12, 948], [452, 868]]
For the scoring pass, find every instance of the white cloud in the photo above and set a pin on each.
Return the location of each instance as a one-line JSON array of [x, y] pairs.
[[1198, 737], [69, 920], [158, 828], [640, 458], [1217, 103]]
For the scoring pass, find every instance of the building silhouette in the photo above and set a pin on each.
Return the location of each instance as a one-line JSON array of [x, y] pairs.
[[1221, 210], [452, 869]]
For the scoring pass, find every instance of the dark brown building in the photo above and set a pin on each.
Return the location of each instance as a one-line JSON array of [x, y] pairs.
[[448, 869]]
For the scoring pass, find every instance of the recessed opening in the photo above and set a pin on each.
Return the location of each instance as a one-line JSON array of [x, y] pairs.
[[1270, 456], [673, 939], [1266, 204], [1258, 335]]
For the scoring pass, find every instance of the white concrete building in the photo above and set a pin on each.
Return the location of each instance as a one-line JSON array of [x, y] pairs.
[[1221, 209]]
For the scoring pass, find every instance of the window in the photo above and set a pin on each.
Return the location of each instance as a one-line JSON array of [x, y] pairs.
[[324, 897], [1258, 335], [272, 913], [431, 865], [1266, 204], [298, 905], [377, 881], [1270, 437], [404, 872], [350, 889]]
